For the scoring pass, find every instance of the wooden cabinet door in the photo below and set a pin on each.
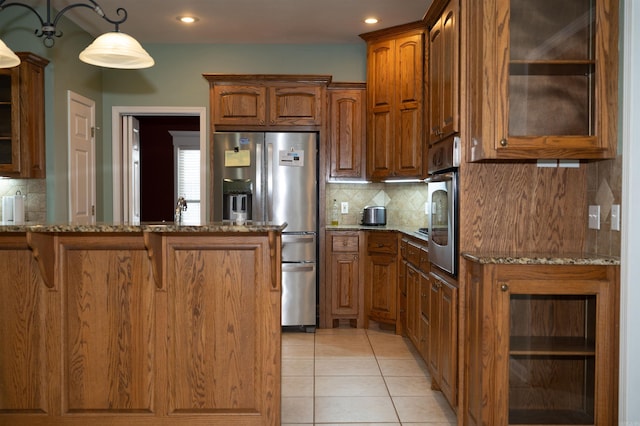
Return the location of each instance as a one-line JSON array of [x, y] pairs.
[[10, 122], [295, 105], [408, 148], [413, 304], [347, 133], [444, 47], [222, 341], [239, 105], [108, 351], [28, 361], [345, 280], [425, 324], [434, 82], [382, 298], [380, 93], [449, 342], [450, 75], [435, 328]]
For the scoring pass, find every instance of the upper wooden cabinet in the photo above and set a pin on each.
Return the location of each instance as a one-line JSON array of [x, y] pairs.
[[267, 100], [22, 141], [346, 131], [395, 88], [443, 76], [543, 79]]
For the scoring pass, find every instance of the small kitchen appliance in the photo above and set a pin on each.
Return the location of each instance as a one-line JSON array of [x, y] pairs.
[[13, 209], [374, 216]]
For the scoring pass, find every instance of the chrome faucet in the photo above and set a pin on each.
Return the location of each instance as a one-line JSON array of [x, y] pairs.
[[181, 206]]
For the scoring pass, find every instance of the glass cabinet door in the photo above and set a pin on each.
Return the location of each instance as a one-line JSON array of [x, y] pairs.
[[9, 153], [553, 65], [555, 350]]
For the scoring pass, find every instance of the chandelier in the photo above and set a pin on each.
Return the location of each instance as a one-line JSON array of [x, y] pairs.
[[112, 49]]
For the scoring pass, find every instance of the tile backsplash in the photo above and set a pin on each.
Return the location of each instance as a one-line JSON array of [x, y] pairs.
[[36, 192], [405, 202]]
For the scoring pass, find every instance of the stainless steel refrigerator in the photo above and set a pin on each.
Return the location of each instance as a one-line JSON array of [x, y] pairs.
[[273, 177]]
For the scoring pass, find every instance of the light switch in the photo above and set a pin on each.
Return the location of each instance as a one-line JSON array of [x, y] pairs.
[[615, 217], [594, 217], [345, 207]]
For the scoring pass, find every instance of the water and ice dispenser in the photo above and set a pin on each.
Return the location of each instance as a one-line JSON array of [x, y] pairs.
[[236, 198]]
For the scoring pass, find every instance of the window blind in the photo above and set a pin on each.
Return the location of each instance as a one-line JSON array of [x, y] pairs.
[[189, 182]]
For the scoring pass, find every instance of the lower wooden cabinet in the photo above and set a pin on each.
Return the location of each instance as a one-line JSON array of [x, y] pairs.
[[541, 344], [160, 329], [346, 297], [381, 274], [443, 335]]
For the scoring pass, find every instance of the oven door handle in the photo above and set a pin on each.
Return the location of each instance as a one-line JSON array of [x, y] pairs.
[[442, 177]]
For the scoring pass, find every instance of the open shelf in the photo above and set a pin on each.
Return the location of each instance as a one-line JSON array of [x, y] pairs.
[[551, 345]]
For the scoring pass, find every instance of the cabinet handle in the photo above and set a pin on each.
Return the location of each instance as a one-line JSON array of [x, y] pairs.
[[504, 287], [503, 142]]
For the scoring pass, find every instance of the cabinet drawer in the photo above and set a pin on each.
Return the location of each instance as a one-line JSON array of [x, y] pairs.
[[345, 243], [382, 242], [424, 259], [413, 254]]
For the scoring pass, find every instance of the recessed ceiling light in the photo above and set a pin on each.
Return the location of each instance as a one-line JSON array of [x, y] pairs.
[[371, 21], [187, 19]]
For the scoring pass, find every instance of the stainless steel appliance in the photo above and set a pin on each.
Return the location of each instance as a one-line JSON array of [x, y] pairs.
[[442, 203], [273, 177], [374, 216]]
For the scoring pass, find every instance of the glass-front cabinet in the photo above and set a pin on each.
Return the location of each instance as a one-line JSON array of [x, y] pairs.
[[541, 344], [550, 79], [9, 133]]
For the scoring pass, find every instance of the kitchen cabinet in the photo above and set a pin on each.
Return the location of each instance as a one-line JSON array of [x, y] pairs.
[[22, 140], [542, 343], [346, 296], [259, 101], [443, 335], [544, 79], [414, 264], [443, 74], [395, 146], [381, 276], [145, 328], [347, 131]]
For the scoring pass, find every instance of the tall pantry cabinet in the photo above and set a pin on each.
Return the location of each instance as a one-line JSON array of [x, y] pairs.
[[395, 61]]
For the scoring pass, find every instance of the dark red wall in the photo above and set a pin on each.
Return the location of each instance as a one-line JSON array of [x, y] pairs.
[[156, 164]]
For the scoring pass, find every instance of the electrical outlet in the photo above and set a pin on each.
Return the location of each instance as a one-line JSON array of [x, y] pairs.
[[345, 207], [615, 217], [594, 217]]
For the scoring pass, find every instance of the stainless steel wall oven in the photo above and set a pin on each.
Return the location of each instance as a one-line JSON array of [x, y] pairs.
[[442, 204]]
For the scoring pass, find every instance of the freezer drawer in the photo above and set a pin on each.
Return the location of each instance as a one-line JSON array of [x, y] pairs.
[[298, 294], [299, 247]]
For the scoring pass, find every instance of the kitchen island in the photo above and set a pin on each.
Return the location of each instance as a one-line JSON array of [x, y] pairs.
[[140, 324]]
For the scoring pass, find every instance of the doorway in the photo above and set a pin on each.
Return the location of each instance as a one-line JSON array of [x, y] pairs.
[[161, 194]]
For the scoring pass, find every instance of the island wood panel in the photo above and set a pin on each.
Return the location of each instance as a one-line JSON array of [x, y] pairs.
[[223, 330], [521, 208], [23, 344], [108, 325]]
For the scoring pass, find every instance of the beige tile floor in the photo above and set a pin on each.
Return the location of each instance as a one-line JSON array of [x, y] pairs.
[[357, 377]]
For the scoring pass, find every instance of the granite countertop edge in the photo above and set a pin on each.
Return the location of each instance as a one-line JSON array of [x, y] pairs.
[[213, 227], [386, 228], [541, 259]]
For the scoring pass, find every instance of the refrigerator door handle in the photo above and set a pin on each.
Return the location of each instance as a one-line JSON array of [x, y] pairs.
[[259, 208], [298, 267], [269, 196]]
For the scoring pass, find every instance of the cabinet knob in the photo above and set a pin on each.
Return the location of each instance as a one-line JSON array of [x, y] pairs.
[[504, 287], [503, 142]]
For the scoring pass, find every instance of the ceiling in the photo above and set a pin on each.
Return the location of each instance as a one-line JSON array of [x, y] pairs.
[[247, 21]]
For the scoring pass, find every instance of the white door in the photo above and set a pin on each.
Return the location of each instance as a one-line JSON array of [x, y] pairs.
[[82, 159], [131, 156]]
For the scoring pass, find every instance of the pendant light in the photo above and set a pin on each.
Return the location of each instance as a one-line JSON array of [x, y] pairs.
[[111, 50], [8, 59]]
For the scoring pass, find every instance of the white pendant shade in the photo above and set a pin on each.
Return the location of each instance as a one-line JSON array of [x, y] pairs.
[[116, 50], [8, 59]]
